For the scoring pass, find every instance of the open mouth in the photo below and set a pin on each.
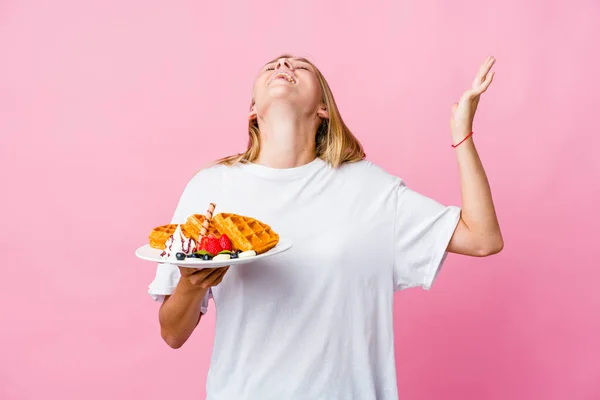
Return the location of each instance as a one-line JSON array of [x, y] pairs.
[[283, 75]]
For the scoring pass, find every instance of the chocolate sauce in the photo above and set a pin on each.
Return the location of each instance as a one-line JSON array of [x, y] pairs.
[[188, 247]]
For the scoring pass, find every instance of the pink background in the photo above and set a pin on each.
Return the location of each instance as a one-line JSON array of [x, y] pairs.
[[108, 108]]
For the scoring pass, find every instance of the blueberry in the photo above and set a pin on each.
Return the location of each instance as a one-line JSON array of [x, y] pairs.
[[180, 256], [193, 255], [206, 257], [234, 255]]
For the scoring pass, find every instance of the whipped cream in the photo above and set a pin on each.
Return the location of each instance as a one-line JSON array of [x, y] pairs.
[[178, 243]]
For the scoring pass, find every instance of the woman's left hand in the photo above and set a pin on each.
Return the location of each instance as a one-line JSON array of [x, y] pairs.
[[463, 112]]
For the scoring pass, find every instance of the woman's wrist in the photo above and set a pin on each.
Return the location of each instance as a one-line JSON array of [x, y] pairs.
[[460, 135]]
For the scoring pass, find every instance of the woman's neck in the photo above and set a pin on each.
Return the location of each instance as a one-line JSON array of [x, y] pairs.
[[287, 140]]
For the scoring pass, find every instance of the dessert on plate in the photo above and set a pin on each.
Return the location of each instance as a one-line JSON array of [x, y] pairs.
[[222, 237], [161, 234], [246, 233]]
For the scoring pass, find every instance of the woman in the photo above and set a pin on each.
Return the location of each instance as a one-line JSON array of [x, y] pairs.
[[316, 322]]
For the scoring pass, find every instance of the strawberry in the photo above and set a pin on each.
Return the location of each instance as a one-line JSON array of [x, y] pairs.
[[202, 244], [225, 243], [213, 246]]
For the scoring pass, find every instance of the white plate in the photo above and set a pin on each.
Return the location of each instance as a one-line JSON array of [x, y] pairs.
[[151, 254]]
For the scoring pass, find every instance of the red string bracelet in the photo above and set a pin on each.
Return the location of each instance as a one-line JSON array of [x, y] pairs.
[[459, 143]]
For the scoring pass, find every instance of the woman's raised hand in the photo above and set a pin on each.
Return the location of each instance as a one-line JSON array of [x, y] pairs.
[[463, 112]]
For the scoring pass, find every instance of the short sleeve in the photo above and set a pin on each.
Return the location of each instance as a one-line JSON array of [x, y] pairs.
[[164, 284], [167, 275], [422, 231]]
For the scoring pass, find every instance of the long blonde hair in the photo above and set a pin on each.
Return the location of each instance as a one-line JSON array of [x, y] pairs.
[[335, 143]]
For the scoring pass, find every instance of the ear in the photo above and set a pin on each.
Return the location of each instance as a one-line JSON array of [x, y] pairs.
[[322, 112], [252, 115]]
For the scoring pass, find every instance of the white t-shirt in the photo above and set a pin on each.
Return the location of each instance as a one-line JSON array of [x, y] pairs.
[[315, 322]]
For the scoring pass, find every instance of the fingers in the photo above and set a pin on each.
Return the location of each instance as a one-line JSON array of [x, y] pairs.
[[484, 70], [207, 277], [201, 276], [483, 79], [219, 278], [486, 66], [185, 272], [485, 84], [488, 81], [214, 278]]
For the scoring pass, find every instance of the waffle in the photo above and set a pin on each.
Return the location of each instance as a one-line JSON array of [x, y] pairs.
[[159, 235], [194, 225], [246, 233]]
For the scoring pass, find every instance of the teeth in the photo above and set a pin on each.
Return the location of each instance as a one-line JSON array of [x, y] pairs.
[[286, 76]]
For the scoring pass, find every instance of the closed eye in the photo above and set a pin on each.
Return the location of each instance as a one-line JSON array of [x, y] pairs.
[[302, 66]]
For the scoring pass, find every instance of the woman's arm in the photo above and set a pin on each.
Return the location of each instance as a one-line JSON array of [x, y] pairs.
[[478, 231], [180, 313]]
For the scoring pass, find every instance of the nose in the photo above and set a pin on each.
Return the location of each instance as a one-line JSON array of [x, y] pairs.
[[283, 63]]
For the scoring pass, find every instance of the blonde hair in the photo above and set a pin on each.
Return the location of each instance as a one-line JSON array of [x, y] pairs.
[[335, 143]]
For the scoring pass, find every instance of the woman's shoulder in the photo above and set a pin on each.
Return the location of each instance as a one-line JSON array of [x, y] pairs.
[[368, 171], [208, 174]]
